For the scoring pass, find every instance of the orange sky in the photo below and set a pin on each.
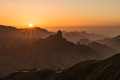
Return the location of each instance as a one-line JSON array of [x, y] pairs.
[[55, 13]]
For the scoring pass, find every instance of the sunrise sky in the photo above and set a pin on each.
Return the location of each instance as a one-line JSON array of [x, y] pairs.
[[55, 13]]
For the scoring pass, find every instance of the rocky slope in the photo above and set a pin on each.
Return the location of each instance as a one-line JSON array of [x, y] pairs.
[[52, 52], [108, 69]]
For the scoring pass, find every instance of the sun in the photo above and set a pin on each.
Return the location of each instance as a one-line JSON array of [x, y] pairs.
[[30, 25]]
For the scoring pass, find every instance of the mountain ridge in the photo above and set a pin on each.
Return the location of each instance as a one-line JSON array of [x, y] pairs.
[[106, 69], [52, 52]]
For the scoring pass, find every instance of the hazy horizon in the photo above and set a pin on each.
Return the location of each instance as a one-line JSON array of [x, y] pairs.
[[94, 16], [108, 31]]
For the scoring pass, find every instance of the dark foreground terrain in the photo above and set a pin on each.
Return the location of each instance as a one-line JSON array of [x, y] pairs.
[[108, 69]]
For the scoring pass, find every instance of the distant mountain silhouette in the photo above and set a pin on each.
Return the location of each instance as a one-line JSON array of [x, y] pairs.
[[76, 36], [103, 50], [52, 52], [11, 36], [2, 27], [8, 31], [112, 42], [84, 41], [107, 69]]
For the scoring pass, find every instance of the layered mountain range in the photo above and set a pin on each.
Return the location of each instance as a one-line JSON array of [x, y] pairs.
[[52, 52], [38, 48], [37, 32]]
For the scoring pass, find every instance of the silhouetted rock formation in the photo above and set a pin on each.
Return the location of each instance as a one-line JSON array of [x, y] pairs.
[[58, 35], [52, 52]]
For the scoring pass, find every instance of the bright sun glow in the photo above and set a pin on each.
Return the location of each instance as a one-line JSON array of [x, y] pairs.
[[30, 25]]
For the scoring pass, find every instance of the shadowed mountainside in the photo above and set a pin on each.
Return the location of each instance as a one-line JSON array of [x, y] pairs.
[[107, 69], [52, 52]]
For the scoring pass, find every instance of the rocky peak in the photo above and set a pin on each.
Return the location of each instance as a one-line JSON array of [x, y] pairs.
[[58, 35]]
